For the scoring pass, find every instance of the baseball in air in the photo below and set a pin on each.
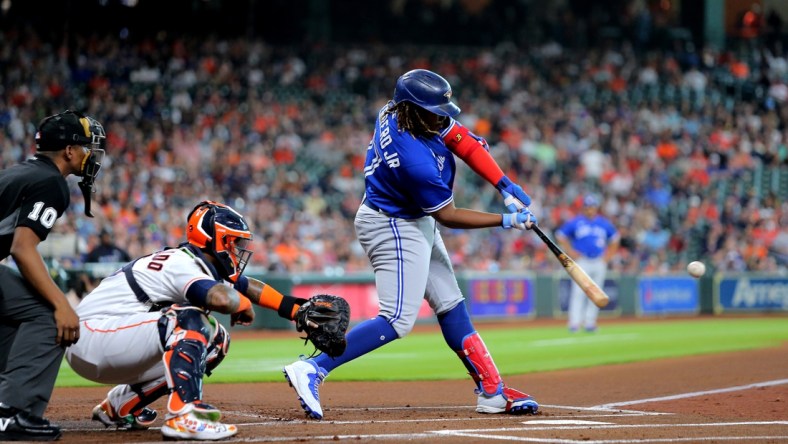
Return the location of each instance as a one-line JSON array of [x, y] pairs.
[[696, 269]]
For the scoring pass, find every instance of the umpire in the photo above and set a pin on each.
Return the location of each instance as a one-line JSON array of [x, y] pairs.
[[36, 320]]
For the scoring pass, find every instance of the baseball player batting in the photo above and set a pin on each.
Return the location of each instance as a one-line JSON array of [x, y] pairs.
[[409, 174]]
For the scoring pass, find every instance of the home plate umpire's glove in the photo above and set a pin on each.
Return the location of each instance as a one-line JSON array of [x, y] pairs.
[[324, 318]]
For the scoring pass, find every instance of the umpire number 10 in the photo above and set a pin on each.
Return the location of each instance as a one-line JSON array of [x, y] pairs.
[[47, 218], [156, 262]]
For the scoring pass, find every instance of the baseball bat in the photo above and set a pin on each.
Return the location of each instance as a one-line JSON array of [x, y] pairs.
[[576, 272]]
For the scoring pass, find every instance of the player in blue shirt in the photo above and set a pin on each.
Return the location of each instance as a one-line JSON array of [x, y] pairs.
[[409, 175], [590, 240]]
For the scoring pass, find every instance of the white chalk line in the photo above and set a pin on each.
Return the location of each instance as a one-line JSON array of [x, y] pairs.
[[268, 421], [480, 433], [486, 433], [613, 426], [411, 436], [618, 441], [693, 394], [606, 413]]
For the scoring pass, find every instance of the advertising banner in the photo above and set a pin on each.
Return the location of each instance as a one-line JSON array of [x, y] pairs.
[[752, 294], [501, 297], [668, 295], [362, 297]]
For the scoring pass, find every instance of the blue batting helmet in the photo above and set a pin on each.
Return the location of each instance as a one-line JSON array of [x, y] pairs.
[[427, 90]]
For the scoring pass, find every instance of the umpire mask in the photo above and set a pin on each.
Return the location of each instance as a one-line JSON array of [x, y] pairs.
[[74, 128], [91, 164]]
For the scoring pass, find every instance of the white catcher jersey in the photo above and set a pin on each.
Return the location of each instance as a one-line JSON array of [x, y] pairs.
[[164, 276]]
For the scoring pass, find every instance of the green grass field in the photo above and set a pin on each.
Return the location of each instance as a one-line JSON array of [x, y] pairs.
[[424, 355]]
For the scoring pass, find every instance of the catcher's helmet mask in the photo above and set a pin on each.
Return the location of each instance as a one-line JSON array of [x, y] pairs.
[[223, 233], [427, 90], [74, 128]]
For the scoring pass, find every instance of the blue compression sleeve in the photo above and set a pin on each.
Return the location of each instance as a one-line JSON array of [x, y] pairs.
[[456, 325], [197, 293], [362, 339], [241, 284]]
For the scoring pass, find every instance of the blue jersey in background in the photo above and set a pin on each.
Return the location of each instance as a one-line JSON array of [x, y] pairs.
[[588, 237]]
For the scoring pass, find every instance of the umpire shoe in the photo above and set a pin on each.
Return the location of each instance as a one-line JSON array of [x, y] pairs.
[[507, 400], [305, 377], [192, 425], [18, 425], [105, 414]]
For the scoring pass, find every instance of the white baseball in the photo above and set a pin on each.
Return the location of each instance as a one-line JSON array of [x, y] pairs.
[[696, 269]]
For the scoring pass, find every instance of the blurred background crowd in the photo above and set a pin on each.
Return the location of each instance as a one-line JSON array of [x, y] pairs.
[[686, 144]]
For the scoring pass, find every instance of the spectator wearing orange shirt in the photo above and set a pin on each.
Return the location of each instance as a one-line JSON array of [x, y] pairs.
[[667, 149]]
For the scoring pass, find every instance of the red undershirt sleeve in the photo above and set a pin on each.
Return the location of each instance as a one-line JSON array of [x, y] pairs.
[[473, 152]]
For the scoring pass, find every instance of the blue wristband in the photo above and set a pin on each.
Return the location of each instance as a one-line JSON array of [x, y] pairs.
[[504, 183], [241, 284]]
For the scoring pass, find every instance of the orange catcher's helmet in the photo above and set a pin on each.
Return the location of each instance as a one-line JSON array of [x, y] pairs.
[[223, 233]]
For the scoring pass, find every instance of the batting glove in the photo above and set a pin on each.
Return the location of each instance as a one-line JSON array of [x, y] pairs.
[[513, 195], [522, 220]]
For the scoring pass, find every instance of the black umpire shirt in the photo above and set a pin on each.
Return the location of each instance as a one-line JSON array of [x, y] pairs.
[[33, 194]]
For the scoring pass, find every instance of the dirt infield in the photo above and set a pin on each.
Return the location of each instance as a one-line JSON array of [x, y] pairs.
[[715, 398]]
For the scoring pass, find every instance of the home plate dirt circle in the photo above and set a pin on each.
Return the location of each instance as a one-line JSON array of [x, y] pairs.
[[728, 397]]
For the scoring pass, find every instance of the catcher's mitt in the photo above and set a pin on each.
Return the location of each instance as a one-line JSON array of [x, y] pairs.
[[324, 318]]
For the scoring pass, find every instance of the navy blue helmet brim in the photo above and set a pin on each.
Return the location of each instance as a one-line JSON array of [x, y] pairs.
[[445, 109]]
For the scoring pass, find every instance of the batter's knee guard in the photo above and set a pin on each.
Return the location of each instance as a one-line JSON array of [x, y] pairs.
[[480, 364], [218, 347], [185, 333]]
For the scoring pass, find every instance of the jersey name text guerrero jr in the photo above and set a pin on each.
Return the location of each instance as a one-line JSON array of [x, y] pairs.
[[405, 176]]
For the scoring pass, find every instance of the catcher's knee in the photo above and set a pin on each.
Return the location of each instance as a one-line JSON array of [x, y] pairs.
[[183, 321]]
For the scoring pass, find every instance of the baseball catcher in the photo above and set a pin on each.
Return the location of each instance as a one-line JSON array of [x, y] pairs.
[[149, 329]]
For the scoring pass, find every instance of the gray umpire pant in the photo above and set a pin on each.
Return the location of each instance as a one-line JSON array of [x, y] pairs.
[[29, 356]]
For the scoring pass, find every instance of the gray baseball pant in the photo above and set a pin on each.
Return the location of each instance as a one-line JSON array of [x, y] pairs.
[[29, 356]]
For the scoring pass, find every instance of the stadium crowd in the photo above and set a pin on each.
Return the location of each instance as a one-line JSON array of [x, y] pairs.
[[688, 149]]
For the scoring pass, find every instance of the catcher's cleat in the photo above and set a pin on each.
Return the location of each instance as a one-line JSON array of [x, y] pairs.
[[507, 400], [192, 425], [105, 414], [305, 377]]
